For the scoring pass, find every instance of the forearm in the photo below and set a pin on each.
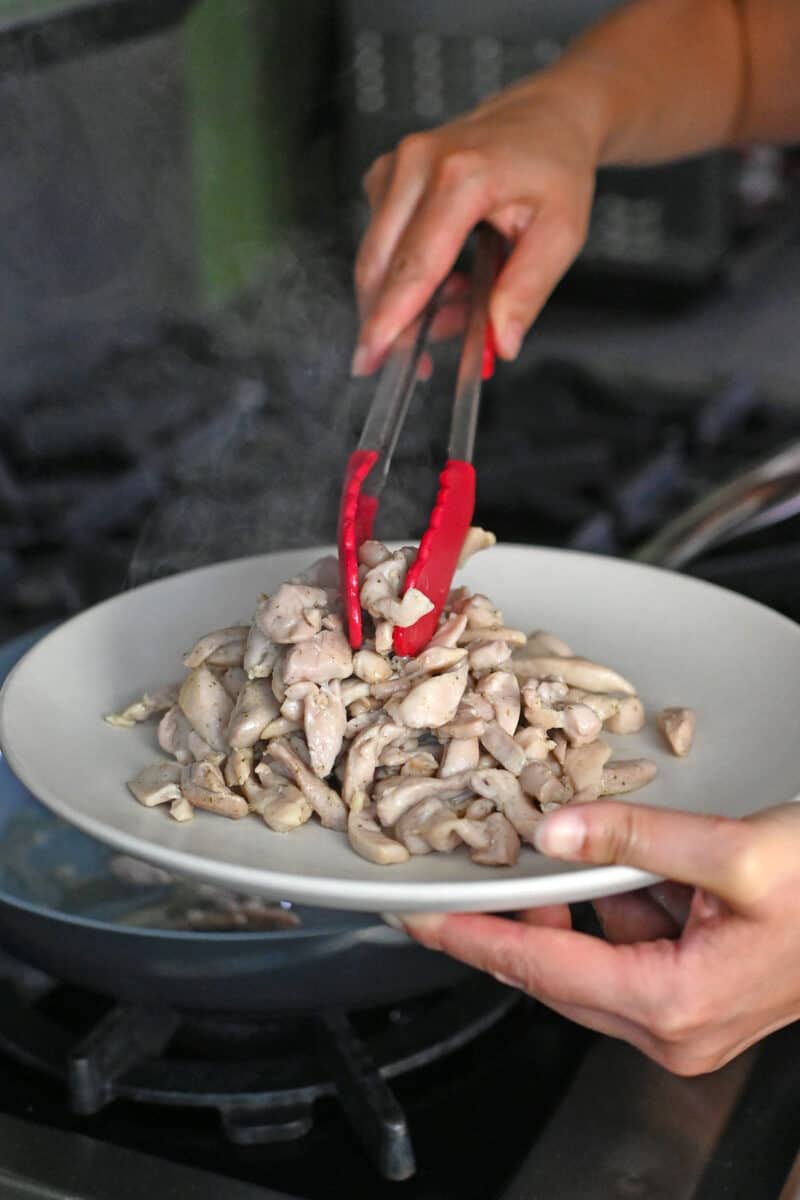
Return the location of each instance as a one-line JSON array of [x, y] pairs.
[[662, 79]]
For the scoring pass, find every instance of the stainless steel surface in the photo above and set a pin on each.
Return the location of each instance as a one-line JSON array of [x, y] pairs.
[[468, 383], [393, 394], [764, 495], [627, 1129], [45, 1164]]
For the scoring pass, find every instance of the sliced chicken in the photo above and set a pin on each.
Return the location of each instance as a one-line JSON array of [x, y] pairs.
[[144, 708], [207, 706], [678, 726], [575, 672], [539, 781], [204, 787], [363, 755], [368, 839], [233, 680], [488, 655], [629, 717], [449, 631], [583, 765], [398, 794], [173, 734], [260, 653], [238, 767], [477, 539], [287, 811], [503, 748], [157, 784], [319, 659], [223, 648], [504, 789], [371, 667], [621, 777], [324, 721], [501, 690], [461, 754], [293, 614], [255, 708], [494, 841], [435, 701], [581, 724], [327, 803]]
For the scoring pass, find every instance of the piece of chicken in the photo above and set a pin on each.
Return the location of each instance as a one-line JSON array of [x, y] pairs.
[[222, 648], [324, 721], [429, 825], [678, 726], [503, 748], [238, 767], [399, 793], [368, 839], [293, 614], [504, 789], [450, 630], [501, 689], [207, 706], [144, 708], [204, 787], [477, 539], [173, 735], [461, 754], [494, 840], [575, 672], [260, 653], [319, 659], [583, 766], [363, 755], [327, 803], [157, 784], [435, 701], [255, 708]]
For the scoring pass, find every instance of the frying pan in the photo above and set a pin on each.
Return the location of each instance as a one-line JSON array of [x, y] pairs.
[[65, 909]]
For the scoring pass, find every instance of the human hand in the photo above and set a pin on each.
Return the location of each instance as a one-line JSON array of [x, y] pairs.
[[525, 161], [692, 975]]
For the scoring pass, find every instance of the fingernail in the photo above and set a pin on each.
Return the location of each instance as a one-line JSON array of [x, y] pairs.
[[562, 834], [511, 336], [420, 925], [361, 361], [393, 921], [507, 981]]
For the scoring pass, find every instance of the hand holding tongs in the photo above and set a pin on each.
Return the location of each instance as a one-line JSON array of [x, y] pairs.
[[368, 467]]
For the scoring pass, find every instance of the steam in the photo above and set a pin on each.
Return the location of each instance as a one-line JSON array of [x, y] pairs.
[[263, 470]]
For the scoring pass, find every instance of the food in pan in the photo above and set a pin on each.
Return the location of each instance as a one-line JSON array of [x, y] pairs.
[[467, 744]]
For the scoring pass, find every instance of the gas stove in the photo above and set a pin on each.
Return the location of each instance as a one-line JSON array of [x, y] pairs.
[[475, 1094]]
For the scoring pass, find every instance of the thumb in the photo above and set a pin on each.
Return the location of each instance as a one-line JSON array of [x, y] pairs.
[[733, 859]]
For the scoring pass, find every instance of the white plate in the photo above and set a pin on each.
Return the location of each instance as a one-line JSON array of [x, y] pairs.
[[680, 641]]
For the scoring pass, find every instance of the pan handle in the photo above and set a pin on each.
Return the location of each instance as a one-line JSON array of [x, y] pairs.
[[767, 493]]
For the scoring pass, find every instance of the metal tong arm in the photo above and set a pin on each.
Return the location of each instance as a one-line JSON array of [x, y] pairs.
[[472, 367], [389, 407]]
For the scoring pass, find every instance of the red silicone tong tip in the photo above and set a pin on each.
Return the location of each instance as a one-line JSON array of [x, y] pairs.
[[439, 551], [356, 518]]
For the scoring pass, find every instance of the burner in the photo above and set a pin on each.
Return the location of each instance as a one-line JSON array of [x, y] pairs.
[[263, 1079]]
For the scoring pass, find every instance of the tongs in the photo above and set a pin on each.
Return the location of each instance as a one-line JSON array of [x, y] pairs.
[[368, 466]]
